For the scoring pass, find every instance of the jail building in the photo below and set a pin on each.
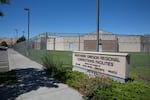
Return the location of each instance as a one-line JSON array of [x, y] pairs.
[[108, 42]]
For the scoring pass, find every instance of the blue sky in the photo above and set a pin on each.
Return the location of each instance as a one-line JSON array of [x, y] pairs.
[[71, 16]]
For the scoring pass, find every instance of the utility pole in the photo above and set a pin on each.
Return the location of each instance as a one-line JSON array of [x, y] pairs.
[[16, 33]]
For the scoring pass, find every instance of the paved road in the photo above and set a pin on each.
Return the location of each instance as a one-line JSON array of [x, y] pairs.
[[34, 83], [4, 64]]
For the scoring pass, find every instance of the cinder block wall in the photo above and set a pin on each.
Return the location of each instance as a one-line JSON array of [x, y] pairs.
[[129, 43], [110, 43]]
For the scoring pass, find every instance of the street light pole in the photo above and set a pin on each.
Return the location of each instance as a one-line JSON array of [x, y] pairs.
[[97, 6], [28, 10]]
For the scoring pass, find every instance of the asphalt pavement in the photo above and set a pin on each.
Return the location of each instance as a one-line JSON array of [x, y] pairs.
[[4, 63]]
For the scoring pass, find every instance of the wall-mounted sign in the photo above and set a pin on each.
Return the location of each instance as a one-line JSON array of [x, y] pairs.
[[112, 64]]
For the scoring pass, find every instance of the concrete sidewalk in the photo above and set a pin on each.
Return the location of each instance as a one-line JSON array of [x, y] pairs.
[[34, 83], [18, 61]]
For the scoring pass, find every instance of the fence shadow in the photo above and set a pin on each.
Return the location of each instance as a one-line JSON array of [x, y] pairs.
[[28, 79]]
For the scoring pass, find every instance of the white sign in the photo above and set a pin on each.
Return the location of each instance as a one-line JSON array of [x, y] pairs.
[[113, 64]]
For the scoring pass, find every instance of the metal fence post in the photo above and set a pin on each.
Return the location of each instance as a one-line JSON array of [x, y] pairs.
[[79, 41], [46, 42]]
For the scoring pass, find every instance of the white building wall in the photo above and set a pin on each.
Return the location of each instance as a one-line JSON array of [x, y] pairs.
[[108, 37], [71, 43], [129, 43], [125, 43], [37, 43], [50, 44], [59, 43]]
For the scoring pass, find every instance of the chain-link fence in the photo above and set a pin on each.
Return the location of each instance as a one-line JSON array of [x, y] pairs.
[[62, 44]]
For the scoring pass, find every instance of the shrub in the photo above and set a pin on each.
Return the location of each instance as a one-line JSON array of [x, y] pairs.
[[61, 73], [50, 64], [8, 78], [75, 79], [98, 88], [55, 67], [130, 90], [91, 88], [102, 88]]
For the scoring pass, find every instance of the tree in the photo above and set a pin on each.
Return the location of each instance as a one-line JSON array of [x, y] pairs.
[[1, 14], [3, 2], [21, 39], [4, 43]]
